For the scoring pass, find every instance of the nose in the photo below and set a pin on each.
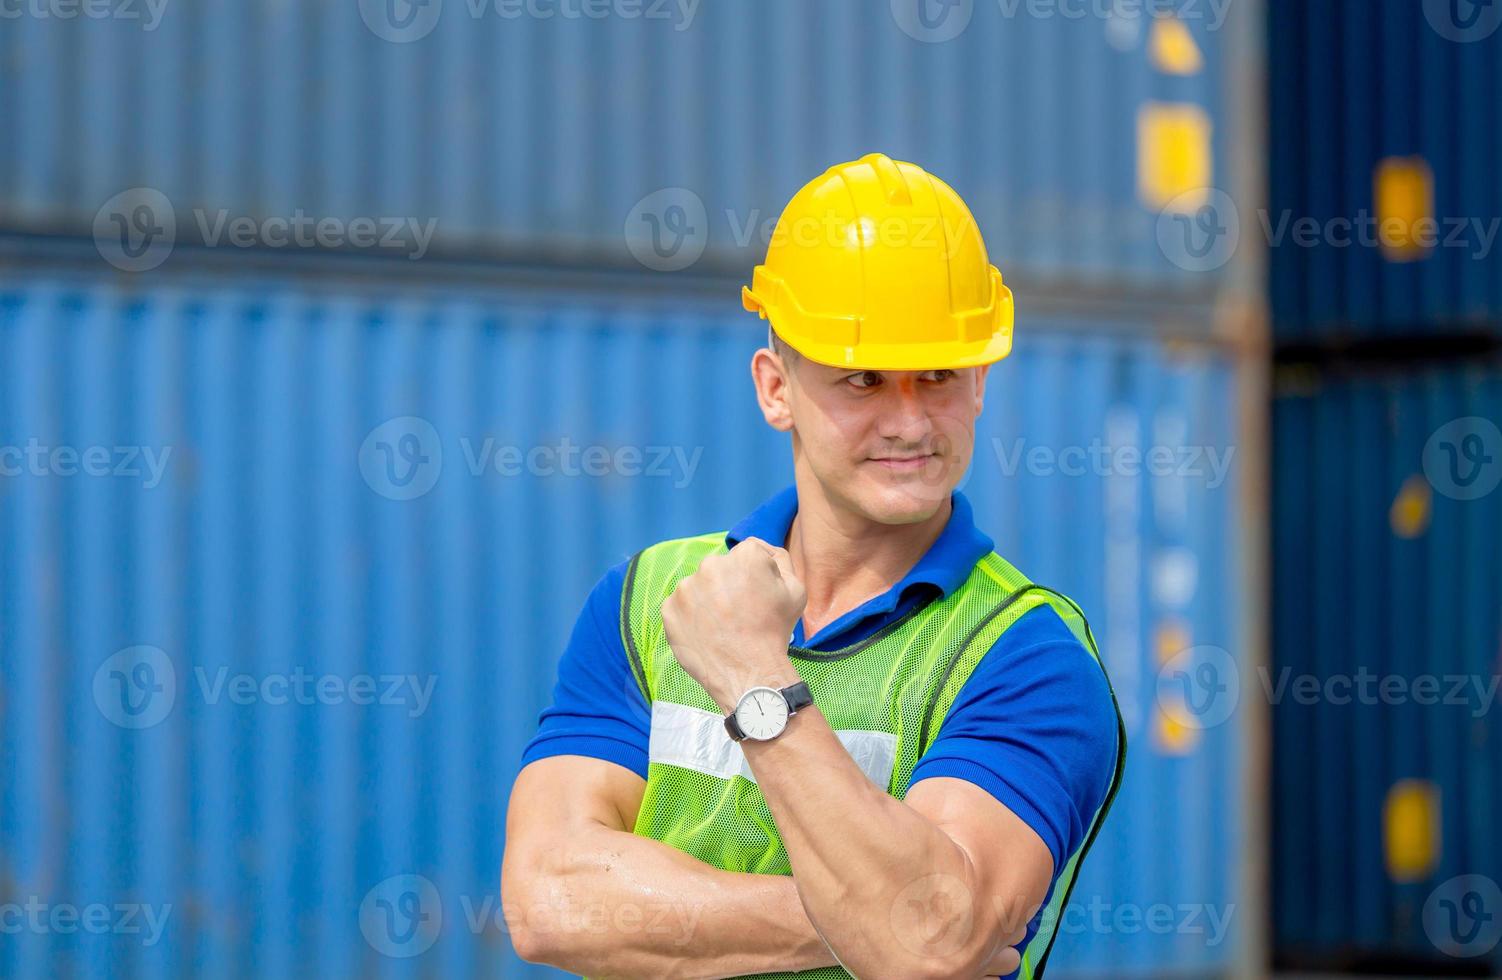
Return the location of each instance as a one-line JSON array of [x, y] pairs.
[[905, 417]]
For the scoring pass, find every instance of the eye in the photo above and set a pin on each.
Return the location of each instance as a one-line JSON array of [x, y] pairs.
[[939, 376], [865, 379]]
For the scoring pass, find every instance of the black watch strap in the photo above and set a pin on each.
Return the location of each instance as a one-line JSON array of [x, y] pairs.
[[798, 697], [734, 728]]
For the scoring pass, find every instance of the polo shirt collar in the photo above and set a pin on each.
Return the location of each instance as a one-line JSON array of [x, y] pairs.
[[946, 565]]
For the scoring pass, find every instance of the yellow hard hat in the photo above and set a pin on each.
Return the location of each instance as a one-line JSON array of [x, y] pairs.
[[878, 265]]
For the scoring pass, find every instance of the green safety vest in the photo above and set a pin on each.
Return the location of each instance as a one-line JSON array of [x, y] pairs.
[[885, 697]]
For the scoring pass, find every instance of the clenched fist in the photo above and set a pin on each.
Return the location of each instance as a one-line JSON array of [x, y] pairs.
[[728, 623]]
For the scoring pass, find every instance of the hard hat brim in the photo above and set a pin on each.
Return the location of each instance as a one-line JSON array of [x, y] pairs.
[[940, 356]]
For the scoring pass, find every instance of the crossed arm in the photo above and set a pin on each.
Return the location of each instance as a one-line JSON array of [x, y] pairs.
[[938, 885]]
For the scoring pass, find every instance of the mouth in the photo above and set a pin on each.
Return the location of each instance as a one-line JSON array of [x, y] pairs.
[[902, 464]]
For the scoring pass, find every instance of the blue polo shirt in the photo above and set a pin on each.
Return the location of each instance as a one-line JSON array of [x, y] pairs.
[[1033, 725]]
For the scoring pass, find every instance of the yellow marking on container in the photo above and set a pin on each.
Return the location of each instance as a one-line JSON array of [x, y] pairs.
[[1172, 49], [1175, 159], [1411, 830], [1403, 189], [1412, 508]]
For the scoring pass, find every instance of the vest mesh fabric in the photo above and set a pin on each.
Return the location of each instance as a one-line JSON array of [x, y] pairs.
[[901, 681]]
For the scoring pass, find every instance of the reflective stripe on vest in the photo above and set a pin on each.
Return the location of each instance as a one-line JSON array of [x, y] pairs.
[[692, 738]]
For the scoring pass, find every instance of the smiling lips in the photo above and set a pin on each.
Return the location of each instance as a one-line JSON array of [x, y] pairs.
[[903, 464]]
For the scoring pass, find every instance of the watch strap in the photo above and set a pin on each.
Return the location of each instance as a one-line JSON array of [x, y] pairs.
[[798, 697], [734, 728]]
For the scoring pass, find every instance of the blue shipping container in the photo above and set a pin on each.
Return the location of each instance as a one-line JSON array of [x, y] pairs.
[[230, 506], [1374, 94], [1387, 653], [665, 134]]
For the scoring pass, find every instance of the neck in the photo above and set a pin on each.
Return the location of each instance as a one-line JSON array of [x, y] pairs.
[[844, 558]]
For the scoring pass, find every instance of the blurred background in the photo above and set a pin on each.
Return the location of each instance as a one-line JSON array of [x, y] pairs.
[[345, 343]]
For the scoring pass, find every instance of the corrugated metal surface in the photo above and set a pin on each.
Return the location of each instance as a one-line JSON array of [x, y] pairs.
[[1387, 568], [275, 542], [538, 136], [1356, 82]]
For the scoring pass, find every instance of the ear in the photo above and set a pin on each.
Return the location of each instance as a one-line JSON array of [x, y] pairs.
[[773, 380], [980, 387]]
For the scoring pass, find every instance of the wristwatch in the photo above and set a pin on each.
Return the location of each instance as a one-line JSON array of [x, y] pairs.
[[763, 712]]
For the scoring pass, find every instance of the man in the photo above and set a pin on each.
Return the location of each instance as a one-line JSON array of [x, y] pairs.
[[845, 737]]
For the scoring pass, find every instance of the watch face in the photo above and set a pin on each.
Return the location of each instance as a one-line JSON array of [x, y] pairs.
[[762, 713]]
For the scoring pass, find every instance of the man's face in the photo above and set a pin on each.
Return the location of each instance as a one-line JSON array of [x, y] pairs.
[[890, 445]]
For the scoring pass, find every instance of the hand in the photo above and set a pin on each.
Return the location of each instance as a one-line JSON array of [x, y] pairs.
[[1009, 959], [728, 623]]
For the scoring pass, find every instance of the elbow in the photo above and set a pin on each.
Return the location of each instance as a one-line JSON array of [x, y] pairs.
[[522, 887], [957, 938]]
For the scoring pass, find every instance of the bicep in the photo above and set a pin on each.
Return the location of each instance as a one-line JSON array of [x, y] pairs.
[[561, 794]]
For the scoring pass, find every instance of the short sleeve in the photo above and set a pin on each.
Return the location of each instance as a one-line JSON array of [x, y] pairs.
[[598, 710], [1035, 726]]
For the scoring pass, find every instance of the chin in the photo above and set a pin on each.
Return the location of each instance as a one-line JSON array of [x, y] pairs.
[[899, 501]]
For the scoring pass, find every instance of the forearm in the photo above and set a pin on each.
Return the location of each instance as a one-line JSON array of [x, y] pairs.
[[608, 903], [878, 880]]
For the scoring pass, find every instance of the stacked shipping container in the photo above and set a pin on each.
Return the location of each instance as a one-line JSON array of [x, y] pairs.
[[276, 537], [1387, 454]]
